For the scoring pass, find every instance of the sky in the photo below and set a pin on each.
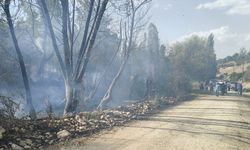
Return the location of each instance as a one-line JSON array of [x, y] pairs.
[[228, 20]]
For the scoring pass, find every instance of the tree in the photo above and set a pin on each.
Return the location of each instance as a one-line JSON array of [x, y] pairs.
[[247, 74], [73, 71], [6, 8], [130, 26], [153, 48], [210, 58], [193, 60]]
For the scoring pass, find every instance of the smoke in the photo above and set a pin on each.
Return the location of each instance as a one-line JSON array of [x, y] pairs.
[[46, 81]]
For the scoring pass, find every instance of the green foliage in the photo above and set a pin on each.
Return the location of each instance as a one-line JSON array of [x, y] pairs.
[[236, 76], [247, 74], [193, 59]]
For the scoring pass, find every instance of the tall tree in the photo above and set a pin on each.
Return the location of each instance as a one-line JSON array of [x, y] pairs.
[[73, 72], [6, 7], [211, 57], [153, 48], [130, 27]]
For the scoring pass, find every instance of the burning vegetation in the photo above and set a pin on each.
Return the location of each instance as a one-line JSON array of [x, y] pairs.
[[66, 66]]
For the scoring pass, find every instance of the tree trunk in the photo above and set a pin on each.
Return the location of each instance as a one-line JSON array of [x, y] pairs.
[[67, 54], [69, 107], [32, 112], [108, 95]]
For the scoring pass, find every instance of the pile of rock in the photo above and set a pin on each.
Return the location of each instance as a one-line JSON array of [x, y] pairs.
[[27, 134]]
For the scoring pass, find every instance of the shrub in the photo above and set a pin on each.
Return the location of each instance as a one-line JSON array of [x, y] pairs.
[[247, 74], [236, 76]]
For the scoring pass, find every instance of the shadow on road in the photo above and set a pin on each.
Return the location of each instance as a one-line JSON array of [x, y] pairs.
[[231, 136], [201, 121]]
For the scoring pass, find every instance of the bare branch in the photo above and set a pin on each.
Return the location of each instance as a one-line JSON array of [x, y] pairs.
[[53, 37]]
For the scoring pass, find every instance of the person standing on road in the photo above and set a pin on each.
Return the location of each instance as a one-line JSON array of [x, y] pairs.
[[201, 86], [211, 86], [228, 86], [223, 88], [217, 89], [239, 88], [235, 86]]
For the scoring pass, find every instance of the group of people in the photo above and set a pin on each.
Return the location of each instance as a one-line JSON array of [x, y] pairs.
[[221, 87], [207, 86]]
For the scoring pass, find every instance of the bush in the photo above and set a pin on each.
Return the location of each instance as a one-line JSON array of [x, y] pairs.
[[247, 74], [246, 90], [236, 76]]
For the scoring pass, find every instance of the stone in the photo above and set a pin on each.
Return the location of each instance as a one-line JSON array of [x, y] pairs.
[[31, 127], [2, 131], [82, 128], [27, 147], [63, 134], [80, 118], [38, 141], [22, 143], [51, 142], [16, 129], [22, 130], [16, 147], [28, 141], [72, 130]]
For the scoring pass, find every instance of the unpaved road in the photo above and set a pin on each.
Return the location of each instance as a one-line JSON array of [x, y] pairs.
[[206, 123]]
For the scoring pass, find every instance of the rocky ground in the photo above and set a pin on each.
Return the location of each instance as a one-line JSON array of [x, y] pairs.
[[27, 134]]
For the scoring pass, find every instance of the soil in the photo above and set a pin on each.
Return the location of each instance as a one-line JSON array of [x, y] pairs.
[[205, 123]]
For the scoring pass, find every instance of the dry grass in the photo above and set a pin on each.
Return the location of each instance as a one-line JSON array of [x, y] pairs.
[[230, 70]]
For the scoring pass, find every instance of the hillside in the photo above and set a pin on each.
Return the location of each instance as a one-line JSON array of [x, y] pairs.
[[231, 67], [233, 72]]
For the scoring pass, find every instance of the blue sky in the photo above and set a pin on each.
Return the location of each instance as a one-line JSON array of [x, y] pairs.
[[228, 20]]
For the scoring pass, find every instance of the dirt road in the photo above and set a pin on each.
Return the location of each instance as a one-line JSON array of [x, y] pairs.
[[206, 123]]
